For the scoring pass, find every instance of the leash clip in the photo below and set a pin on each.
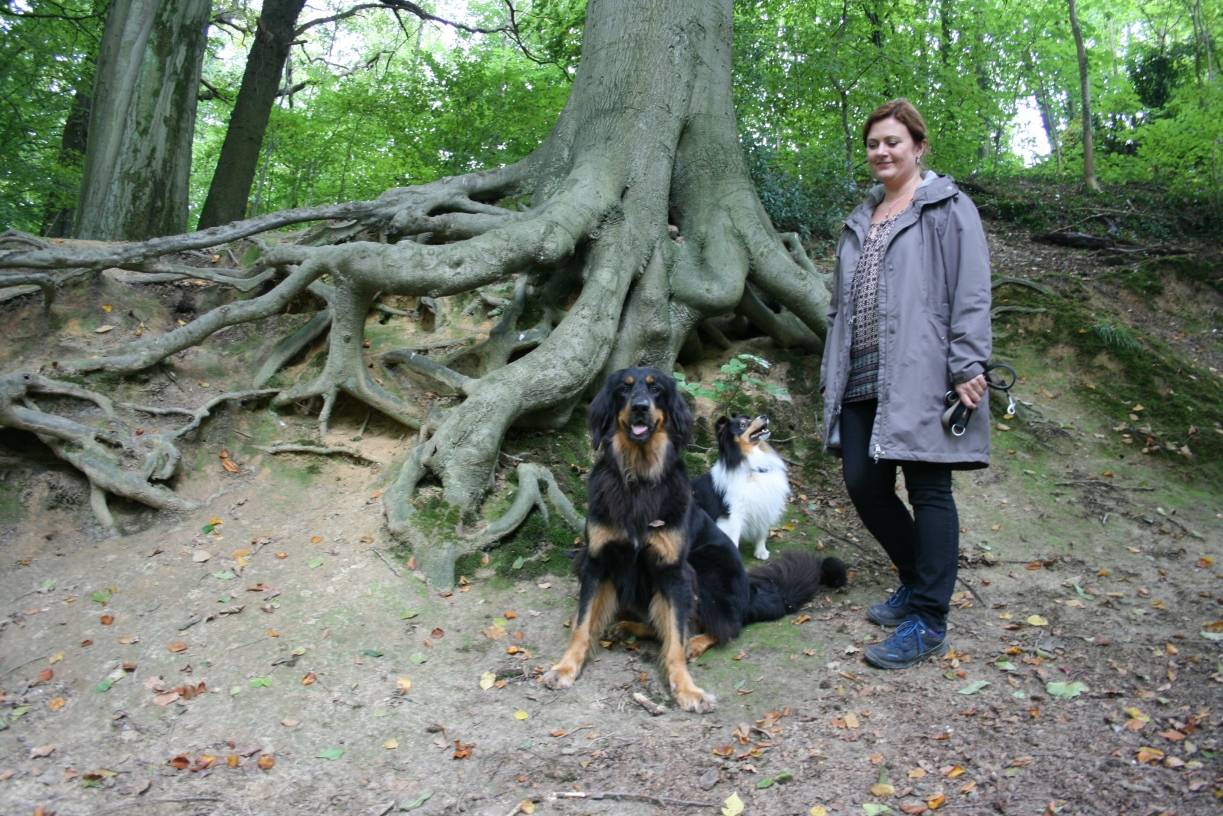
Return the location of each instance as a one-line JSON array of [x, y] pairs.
[[955, 418]]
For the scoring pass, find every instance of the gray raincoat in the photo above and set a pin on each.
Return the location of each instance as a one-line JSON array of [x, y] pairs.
[[934, 326]]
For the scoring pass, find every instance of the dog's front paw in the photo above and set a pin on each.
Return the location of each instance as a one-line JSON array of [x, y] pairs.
[[559, 677], [696, 700], [762, 551]]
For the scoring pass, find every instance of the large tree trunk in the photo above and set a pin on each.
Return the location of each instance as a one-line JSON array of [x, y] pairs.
[[646, 142], [138, 159], [1089, 154], [231, 183]]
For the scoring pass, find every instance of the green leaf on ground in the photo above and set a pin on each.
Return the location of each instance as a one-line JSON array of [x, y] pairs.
[[371, 653], [314, 563], [101, 596], [413, 804], [974, 687], [417, 658], [875, 809], [261, 682], [1066, 691], [770, 781], [331, 753]]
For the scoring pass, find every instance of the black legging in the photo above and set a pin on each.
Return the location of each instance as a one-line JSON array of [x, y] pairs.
[[924, 546]]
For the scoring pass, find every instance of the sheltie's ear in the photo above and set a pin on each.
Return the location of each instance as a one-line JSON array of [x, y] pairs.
[[679, 415], [721, 425], [601, 419]]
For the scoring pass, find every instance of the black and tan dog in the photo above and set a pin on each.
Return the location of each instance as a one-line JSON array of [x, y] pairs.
[[653, 556]]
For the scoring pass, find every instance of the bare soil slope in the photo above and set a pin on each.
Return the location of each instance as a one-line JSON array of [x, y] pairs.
[[271, 653]]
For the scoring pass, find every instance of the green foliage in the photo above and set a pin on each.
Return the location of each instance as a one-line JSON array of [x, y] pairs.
[[47, 52], [736, 384], [412, 115], [388, 101]]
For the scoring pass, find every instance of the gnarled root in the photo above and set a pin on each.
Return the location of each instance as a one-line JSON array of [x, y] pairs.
[[98, 454]]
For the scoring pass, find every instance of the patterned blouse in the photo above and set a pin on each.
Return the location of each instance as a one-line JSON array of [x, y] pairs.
[[864, 294]]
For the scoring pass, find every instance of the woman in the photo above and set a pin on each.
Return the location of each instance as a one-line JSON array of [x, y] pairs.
[[908, 327]]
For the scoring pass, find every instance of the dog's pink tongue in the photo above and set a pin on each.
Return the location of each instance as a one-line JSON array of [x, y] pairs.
[[638, 430]]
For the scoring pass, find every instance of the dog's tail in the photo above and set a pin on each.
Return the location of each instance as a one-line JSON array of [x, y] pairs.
[[782, 586]]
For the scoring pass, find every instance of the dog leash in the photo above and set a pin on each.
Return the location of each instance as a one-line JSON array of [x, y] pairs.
[[955, 418]]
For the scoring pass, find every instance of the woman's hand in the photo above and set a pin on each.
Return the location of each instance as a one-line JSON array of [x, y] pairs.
[[972, 391]]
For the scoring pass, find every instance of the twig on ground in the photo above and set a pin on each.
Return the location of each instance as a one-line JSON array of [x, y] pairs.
[[7, 672], [140, 802], [1014, 281], [624, 796], [386, 561], [649, 705], [974, 592], [1102, 483]]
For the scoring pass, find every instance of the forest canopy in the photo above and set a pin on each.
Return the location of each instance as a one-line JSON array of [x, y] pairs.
[[373, 96]]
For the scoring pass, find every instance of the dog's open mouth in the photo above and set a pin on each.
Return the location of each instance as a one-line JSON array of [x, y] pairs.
[[761, 433], [639, 431]]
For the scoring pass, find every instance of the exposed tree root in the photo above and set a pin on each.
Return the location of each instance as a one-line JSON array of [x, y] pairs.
[[638, 223], [537, 488], [98, 454], [319, 450]]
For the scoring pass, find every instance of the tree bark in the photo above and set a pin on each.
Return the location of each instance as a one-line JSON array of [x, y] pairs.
[[647, 143], [57, 218], [235, 172], [1089, 155], [138, 159]]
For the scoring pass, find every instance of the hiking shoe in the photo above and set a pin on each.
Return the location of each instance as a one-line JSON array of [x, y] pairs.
[[892, 612], [912, 642]]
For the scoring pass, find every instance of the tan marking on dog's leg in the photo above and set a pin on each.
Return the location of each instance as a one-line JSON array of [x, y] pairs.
[[637, 629], [668, 545], [598, 536], [698, 645], [602, 608], [687, 693]]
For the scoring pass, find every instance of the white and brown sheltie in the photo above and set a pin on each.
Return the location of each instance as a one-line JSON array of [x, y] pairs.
[[746, 490]]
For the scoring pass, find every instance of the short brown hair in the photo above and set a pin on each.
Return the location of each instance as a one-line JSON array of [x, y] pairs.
[[902, 111]]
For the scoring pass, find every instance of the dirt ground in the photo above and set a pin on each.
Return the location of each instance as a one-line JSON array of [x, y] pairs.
[[271, 653]]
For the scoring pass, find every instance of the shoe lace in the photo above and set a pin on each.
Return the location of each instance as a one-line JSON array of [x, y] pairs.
[[900, 597], [910, 628]]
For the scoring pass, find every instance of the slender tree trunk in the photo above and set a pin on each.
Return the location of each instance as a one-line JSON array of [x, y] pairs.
[[235, 172], [57, 218], [138, 160], [1089, 156], [1044, 105]]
